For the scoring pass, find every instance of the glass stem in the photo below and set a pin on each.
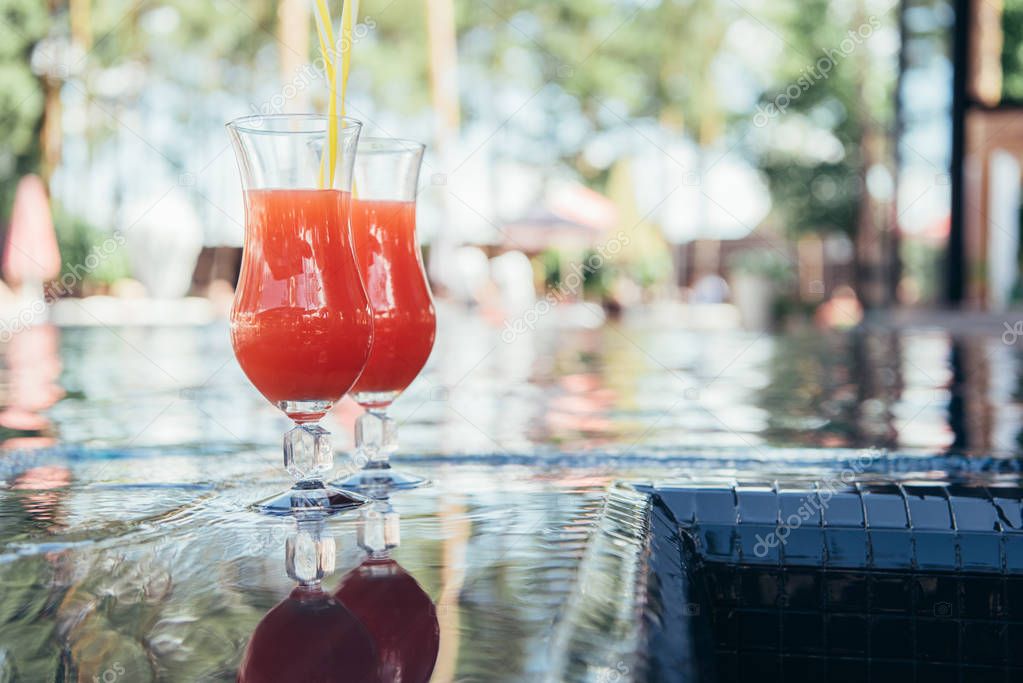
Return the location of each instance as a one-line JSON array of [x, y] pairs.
[[376, 437], [309, 554], [308, 454]]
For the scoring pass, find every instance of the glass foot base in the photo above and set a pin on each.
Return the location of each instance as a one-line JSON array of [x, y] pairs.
[[377, 480], [319, 499]]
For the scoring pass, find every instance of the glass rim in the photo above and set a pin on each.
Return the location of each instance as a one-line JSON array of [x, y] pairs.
[[256, 124], [388, 145]]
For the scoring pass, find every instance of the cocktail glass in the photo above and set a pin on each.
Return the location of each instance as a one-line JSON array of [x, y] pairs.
[[404, 318], [301, 325]]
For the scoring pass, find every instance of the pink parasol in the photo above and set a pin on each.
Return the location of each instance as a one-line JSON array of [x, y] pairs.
[[30, 252]]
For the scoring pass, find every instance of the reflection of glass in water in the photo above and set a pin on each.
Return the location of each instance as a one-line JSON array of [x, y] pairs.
[[399, 616], [394, 608], [310, 636]]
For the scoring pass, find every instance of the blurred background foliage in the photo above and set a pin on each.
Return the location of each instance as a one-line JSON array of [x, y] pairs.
[[171, 72], [1012, 50], [23, 23]]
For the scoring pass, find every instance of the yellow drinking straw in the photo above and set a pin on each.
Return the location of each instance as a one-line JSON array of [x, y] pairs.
[[349, 12], [325, 36]]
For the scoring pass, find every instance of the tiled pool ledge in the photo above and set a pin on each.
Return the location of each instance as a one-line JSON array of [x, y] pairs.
[[598, 636], [913, 575], [644, 463]]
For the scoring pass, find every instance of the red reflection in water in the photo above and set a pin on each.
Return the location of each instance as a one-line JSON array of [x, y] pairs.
[[310, 637], [44, 497], [33, 368], [398, 614]]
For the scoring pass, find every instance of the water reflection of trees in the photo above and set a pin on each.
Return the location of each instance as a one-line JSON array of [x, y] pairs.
[[985, 390], [894, 389], [831, 389]]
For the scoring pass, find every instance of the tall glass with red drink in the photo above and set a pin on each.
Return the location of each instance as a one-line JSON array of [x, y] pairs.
[[301, 326], [404, 319]]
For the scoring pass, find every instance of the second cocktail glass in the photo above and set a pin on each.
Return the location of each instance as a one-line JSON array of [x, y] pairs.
[[404, 319], [301, 325]]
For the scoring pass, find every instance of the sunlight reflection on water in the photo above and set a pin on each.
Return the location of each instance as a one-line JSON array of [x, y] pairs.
[[132, 456], [620, 387]]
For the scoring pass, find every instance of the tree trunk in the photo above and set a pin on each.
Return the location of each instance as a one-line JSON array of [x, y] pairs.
[[50, 135], [293, 22], [51, 129], [873, 250], [442, 43]]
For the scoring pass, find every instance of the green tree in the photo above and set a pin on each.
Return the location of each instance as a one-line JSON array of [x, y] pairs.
[[1012, 50], [22, 24], [834, 91]]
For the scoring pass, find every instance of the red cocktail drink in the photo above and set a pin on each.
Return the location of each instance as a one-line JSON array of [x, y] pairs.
[[300, 325], [386, 177], [405, 322]]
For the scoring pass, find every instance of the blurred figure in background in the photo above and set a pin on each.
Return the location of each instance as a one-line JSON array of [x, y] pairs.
[[842, 310]]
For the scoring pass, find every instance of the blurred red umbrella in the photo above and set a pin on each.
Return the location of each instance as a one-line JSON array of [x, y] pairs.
[[30, 253]]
